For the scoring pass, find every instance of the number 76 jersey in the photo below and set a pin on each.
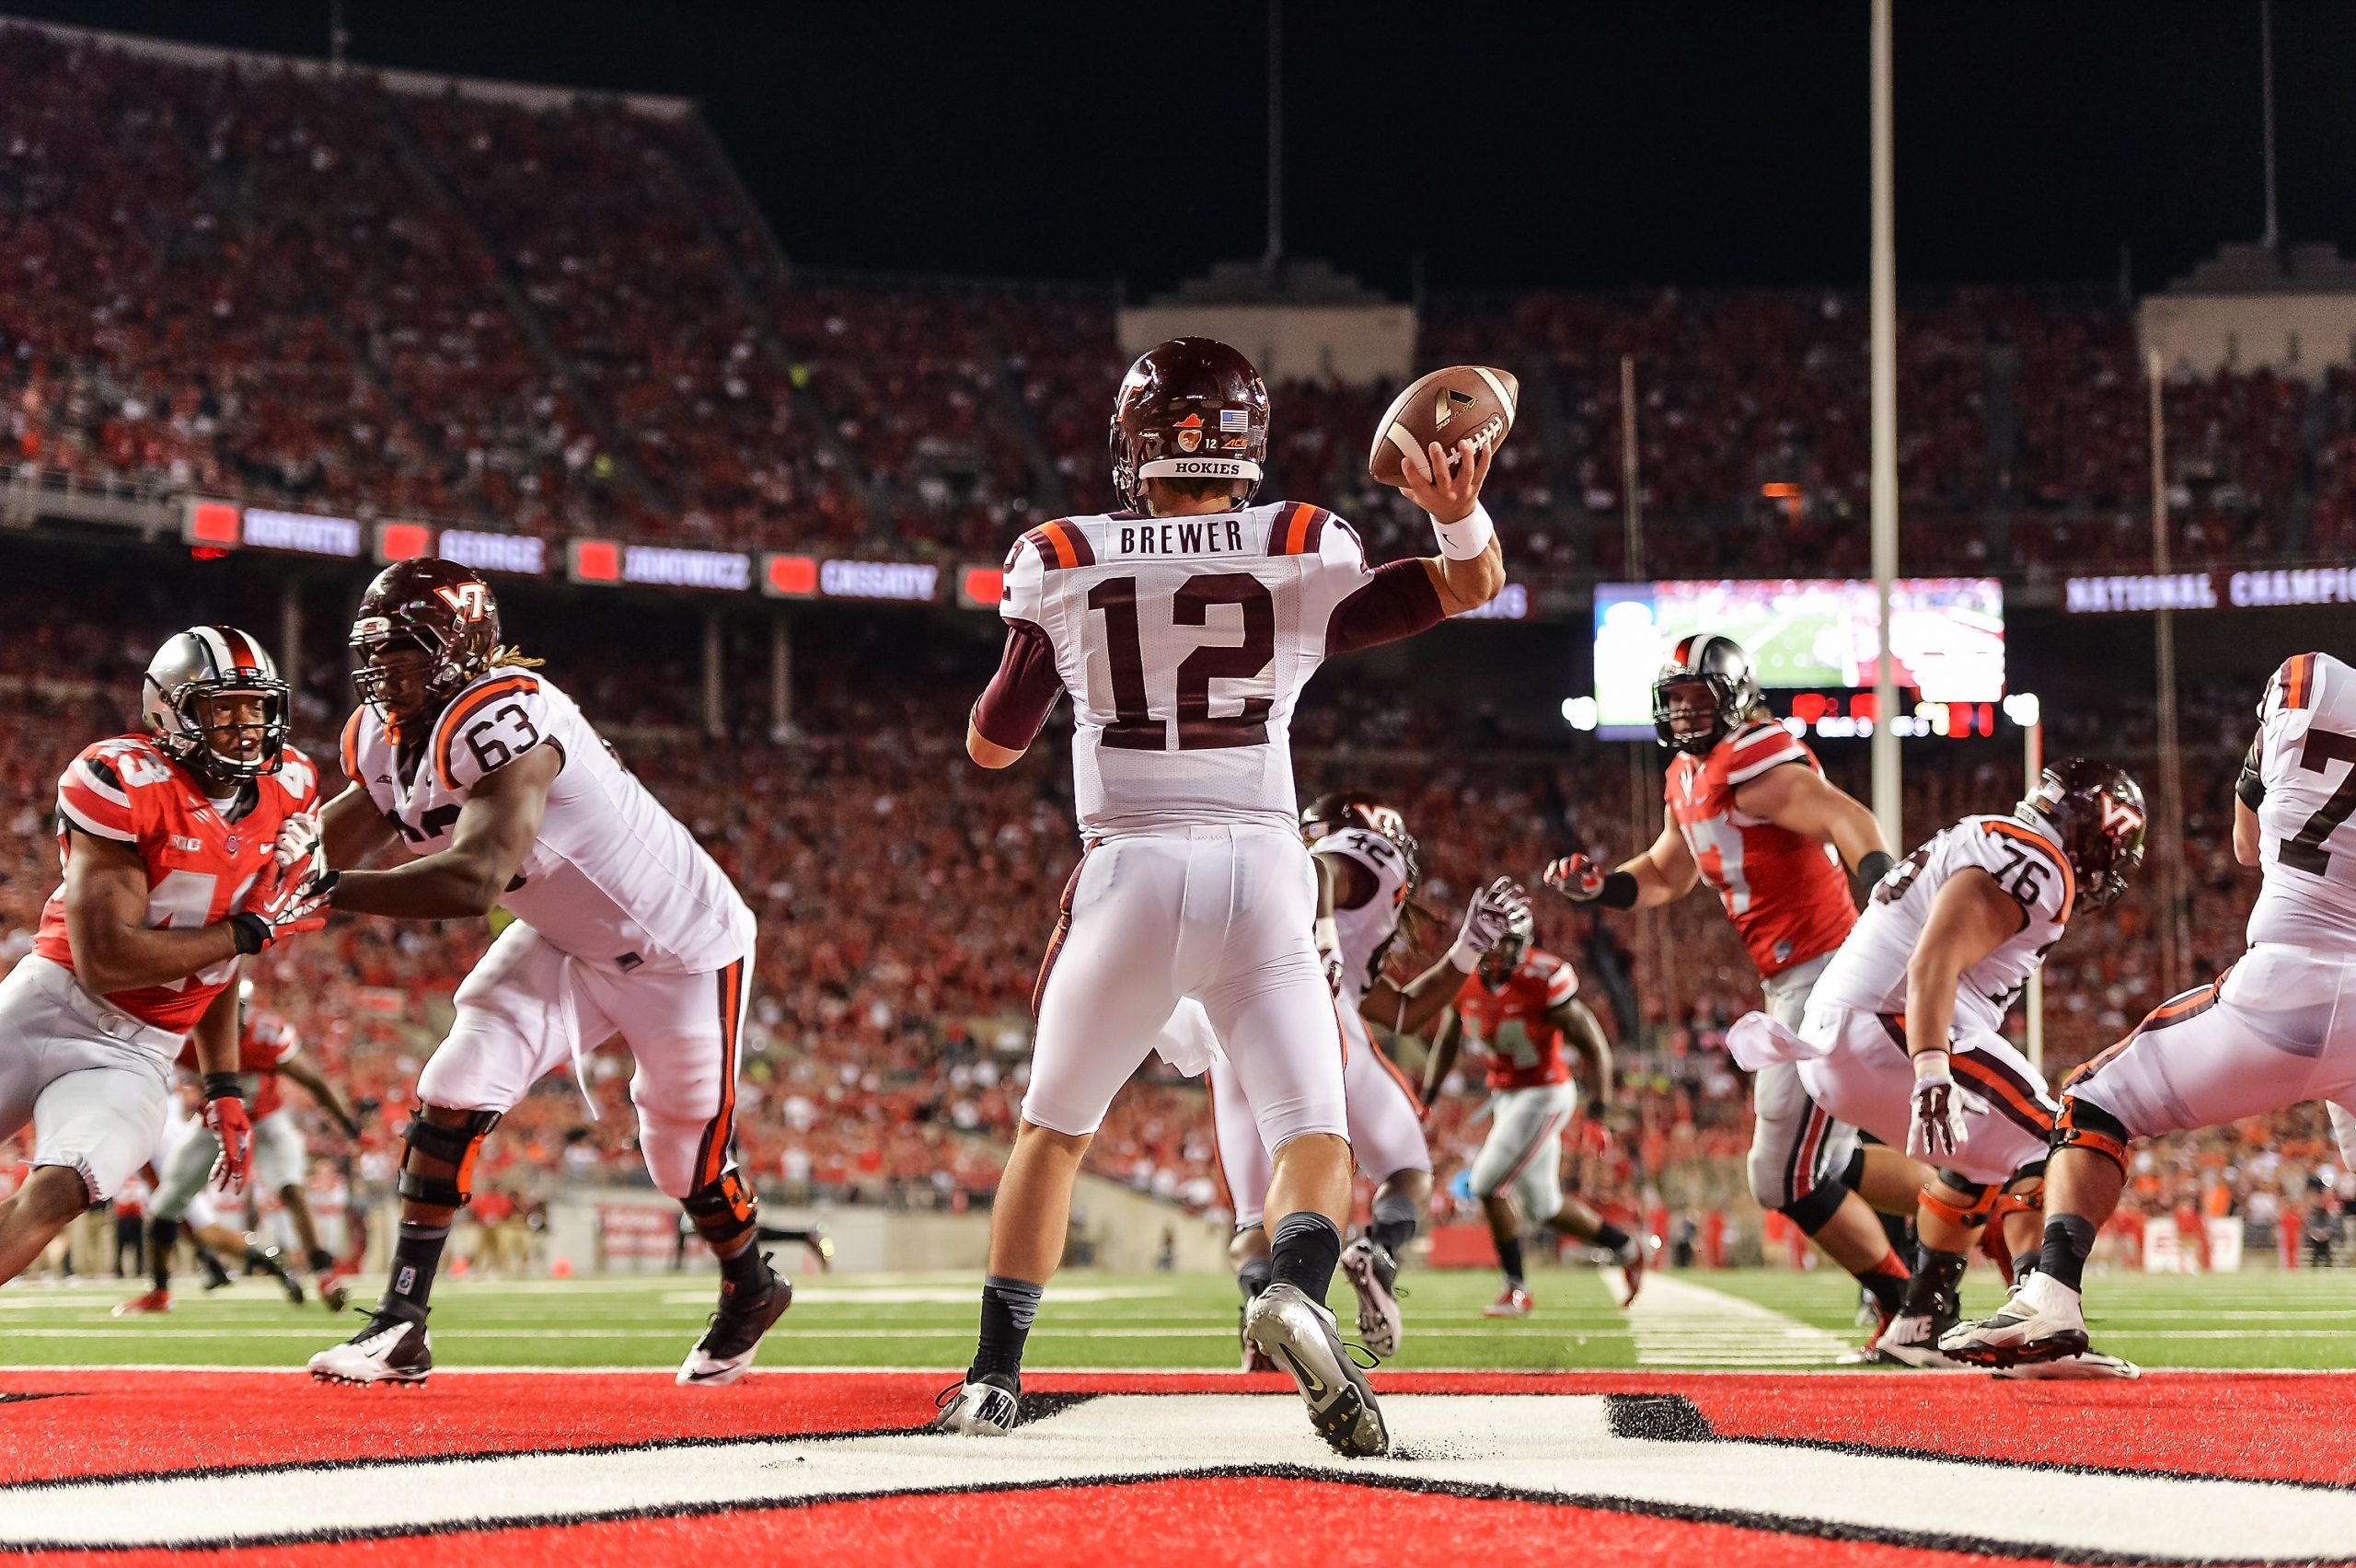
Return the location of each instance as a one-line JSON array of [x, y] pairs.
[[1185, 643], [614, 879], [1868, 974]]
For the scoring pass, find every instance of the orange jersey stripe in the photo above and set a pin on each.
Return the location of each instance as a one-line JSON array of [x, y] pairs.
[[2302, 680], [467, 708], [2044, 845], [1061, 542], [1989, 1082], [352, 746]]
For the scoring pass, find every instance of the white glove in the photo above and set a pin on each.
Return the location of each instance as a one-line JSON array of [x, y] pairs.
[[1940, 1125], [1487, 920]]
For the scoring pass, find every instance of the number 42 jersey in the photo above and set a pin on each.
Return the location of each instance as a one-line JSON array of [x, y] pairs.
[[1185, 643], [614, 879], [1868, 974]]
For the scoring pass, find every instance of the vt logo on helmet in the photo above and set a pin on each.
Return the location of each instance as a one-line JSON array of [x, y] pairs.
[[216, 705], [2098, 812], [424, 629]]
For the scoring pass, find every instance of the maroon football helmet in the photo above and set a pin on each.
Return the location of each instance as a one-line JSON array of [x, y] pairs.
[[1339, 809], [1190, 409], [431, 607], [2098, 812]]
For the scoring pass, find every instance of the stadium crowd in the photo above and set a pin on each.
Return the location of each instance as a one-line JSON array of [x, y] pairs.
[[316, 291]]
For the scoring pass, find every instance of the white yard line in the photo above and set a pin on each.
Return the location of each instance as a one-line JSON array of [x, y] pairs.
[[1678, 1323]]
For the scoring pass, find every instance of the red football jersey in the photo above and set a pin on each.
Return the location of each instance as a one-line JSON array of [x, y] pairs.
[[267, 1044], [1785, 893], [1510, 1025], [200, 868]]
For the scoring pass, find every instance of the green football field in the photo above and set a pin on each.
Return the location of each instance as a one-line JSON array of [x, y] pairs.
[[1756, 1320]]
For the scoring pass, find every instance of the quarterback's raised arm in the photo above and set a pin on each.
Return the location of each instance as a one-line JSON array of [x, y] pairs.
[[496, 829], [1470, 570]]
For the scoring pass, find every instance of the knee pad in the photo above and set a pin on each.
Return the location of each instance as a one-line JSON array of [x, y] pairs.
[[724, 1208], [1813, 1212], [2086, 1125], [2025, 1193], [457, 1146], [1979, 1200]]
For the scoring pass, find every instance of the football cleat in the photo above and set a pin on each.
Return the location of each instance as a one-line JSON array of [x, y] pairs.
[[1911, 1341], [154, 1301], [1865, 1354], [387, 1350], [2087, 1367], [985, 1406], [334, 1295], [1255, 1358], [821, 1246], [734, 1333], [1631, 1275], [1299, 1337], [2040, 1321], [1372, 1273], [1513, 1301]]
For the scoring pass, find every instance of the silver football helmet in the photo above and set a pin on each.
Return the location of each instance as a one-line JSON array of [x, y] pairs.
[[190, 679]]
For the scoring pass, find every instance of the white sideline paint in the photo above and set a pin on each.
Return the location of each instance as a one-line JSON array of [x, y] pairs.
[[1559, 1446], [1679, 1323]]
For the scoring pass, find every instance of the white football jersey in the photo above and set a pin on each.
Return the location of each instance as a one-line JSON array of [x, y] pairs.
[[1185, 643], [1366, 931], [1868, 973], [614, 879], [2307, 761]]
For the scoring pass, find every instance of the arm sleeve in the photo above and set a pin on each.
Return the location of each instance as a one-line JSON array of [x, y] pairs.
[[1390, 603], [1020, 695], [490, 725], [2250, 787], [1562, 984]]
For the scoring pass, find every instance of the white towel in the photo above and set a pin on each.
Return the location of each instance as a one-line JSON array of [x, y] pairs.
[[1757, 1040], [1187, 1041]]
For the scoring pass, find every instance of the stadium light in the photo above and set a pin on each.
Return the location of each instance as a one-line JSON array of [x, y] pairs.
[[2022, 709], [1580, 712]]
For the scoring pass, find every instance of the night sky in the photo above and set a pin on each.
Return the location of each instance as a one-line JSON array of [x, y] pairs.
[[1564, 144]]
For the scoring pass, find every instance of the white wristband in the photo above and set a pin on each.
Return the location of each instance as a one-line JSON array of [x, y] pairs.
[[1466, 537], [1328, 934], [1943, 1069]]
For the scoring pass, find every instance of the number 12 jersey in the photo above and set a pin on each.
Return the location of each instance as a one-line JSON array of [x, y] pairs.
[[1185, 643]]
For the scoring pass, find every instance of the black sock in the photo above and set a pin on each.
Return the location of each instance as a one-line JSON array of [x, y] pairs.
[[745, 1270], [1305, 1246], [416, 1256], [1885, 1282], [1252, 1277], [1509, 1258], [2068, 1240], [211, 1265], [1613, 1239], [1395, 1221], [1007, 1308], [322, 1261], [1932, 1293], [162, 1236], [265, 1258]]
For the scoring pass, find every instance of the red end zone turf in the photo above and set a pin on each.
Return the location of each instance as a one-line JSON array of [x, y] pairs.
[[63, 1425]]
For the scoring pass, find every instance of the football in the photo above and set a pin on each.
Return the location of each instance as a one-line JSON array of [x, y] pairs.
[[1445, 406]]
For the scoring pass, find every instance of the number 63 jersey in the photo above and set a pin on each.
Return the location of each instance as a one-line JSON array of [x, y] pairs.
[[1185, 642], [614, 879], [1868, 974]]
